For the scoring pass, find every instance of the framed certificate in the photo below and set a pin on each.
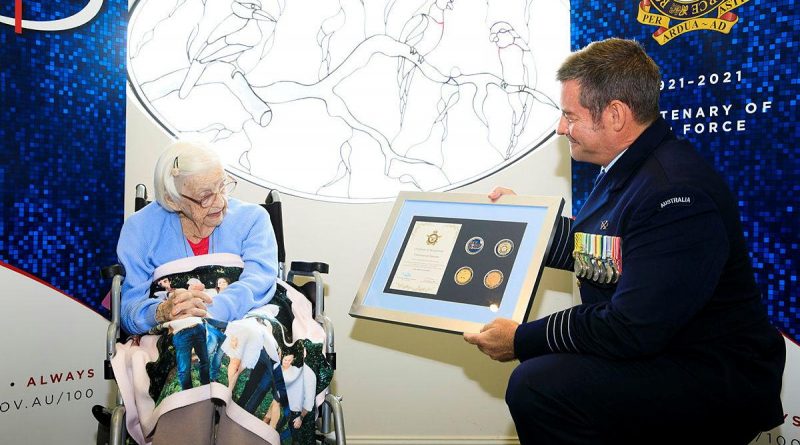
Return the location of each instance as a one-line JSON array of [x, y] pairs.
[[454, 262]]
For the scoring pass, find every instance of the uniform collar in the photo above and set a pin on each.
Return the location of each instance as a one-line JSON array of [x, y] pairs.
[[635, 155], [606, 168], [626, 165]]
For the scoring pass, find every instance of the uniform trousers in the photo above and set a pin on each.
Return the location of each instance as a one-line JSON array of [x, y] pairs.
[[583, 399]]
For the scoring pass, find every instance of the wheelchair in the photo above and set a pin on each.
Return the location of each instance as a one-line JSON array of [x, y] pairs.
[[306, 277]]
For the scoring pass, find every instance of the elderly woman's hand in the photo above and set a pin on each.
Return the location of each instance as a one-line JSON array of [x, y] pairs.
[[186, 303], [183, 303]]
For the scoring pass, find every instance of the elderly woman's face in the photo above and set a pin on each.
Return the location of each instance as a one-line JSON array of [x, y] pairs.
[[202, 186]]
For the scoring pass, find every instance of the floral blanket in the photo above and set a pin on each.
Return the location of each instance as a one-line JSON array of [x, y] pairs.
[[267, 369]]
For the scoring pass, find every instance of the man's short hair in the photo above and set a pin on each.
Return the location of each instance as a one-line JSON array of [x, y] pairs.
[[615, 69]]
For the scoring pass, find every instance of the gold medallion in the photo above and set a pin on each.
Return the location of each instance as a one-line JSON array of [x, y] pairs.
[[503, 247], [463, 275], [492, 279]]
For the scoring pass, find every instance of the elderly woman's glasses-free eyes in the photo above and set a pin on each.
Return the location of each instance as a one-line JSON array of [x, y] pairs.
[[205, 201]]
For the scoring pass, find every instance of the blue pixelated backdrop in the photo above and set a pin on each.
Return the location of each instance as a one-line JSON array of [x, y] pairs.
[[63, 142], [730, 86]]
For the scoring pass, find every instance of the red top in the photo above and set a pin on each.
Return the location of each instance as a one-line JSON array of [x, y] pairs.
[[201, 248]]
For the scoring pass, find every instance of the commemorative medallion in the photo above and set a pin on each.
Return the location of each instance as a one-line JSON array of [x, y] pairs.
[[474, 245], [503, 247], [463, 275], [492, 279]]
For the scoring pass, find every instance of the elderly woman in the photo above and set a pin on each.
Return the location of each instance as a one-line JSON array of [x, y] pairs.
[[193, 215]]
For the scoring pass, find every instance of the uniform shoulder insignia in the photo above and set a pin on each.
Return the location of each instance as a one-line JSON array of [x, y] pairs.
[[678, 200]]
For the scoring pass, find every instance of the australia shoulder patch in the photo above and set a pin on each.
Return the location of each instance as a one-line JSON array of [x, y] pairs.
[[676, 201]]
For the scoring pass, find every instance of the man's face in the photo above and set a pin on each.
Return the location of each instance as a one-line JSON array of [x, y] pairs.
[[588, 140]]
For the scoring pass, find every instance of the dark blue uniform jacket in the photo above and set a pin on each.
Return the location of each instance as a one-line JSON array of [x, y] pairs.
[[686, 289]]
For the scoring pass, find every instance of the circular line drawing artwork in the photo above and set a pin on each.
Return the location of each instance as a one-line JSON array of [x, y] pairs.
[[352, 101]]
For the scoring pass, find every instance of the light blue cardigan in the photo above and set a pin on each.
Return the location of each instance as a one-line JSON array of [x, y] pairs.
[[152, 237]]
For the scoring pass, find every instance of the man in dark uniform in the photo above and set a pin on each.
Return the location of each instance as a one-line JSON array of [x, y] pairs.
[[671, 343]]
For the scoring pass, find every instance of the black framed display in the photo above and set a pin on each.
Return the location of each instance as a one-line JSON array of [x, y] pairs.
[[454, 262]]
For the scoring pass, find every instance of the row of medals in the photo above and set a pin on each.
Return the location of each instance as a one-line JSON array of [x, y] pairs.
[[598, 257]]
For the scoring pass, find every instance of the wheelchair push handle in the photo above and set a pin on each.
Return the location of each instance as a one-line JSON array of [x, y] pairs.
[[110, 271], [141, 197]]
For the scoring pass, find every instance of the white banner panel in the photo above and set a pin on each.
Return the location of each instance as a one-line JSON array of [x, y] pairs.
[[52, 369]]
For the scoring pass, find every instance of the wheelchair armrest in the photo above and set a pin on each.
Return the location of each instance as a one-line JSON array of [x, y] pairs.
[[116, 273], [109, 272], [304, 268]]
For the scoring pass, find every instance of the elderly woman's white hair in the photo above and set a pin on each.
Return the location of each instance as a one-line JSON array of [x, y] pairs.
[[179, 161]]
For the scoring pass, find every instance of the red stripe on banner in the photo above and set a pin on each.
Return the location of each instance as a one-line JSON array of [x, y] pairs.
[[45, 283], [788, 337], [18, 16]]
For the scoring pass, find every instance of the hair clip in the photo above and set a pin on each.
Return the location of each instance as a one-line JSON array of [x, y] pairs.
[[175, 170]]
